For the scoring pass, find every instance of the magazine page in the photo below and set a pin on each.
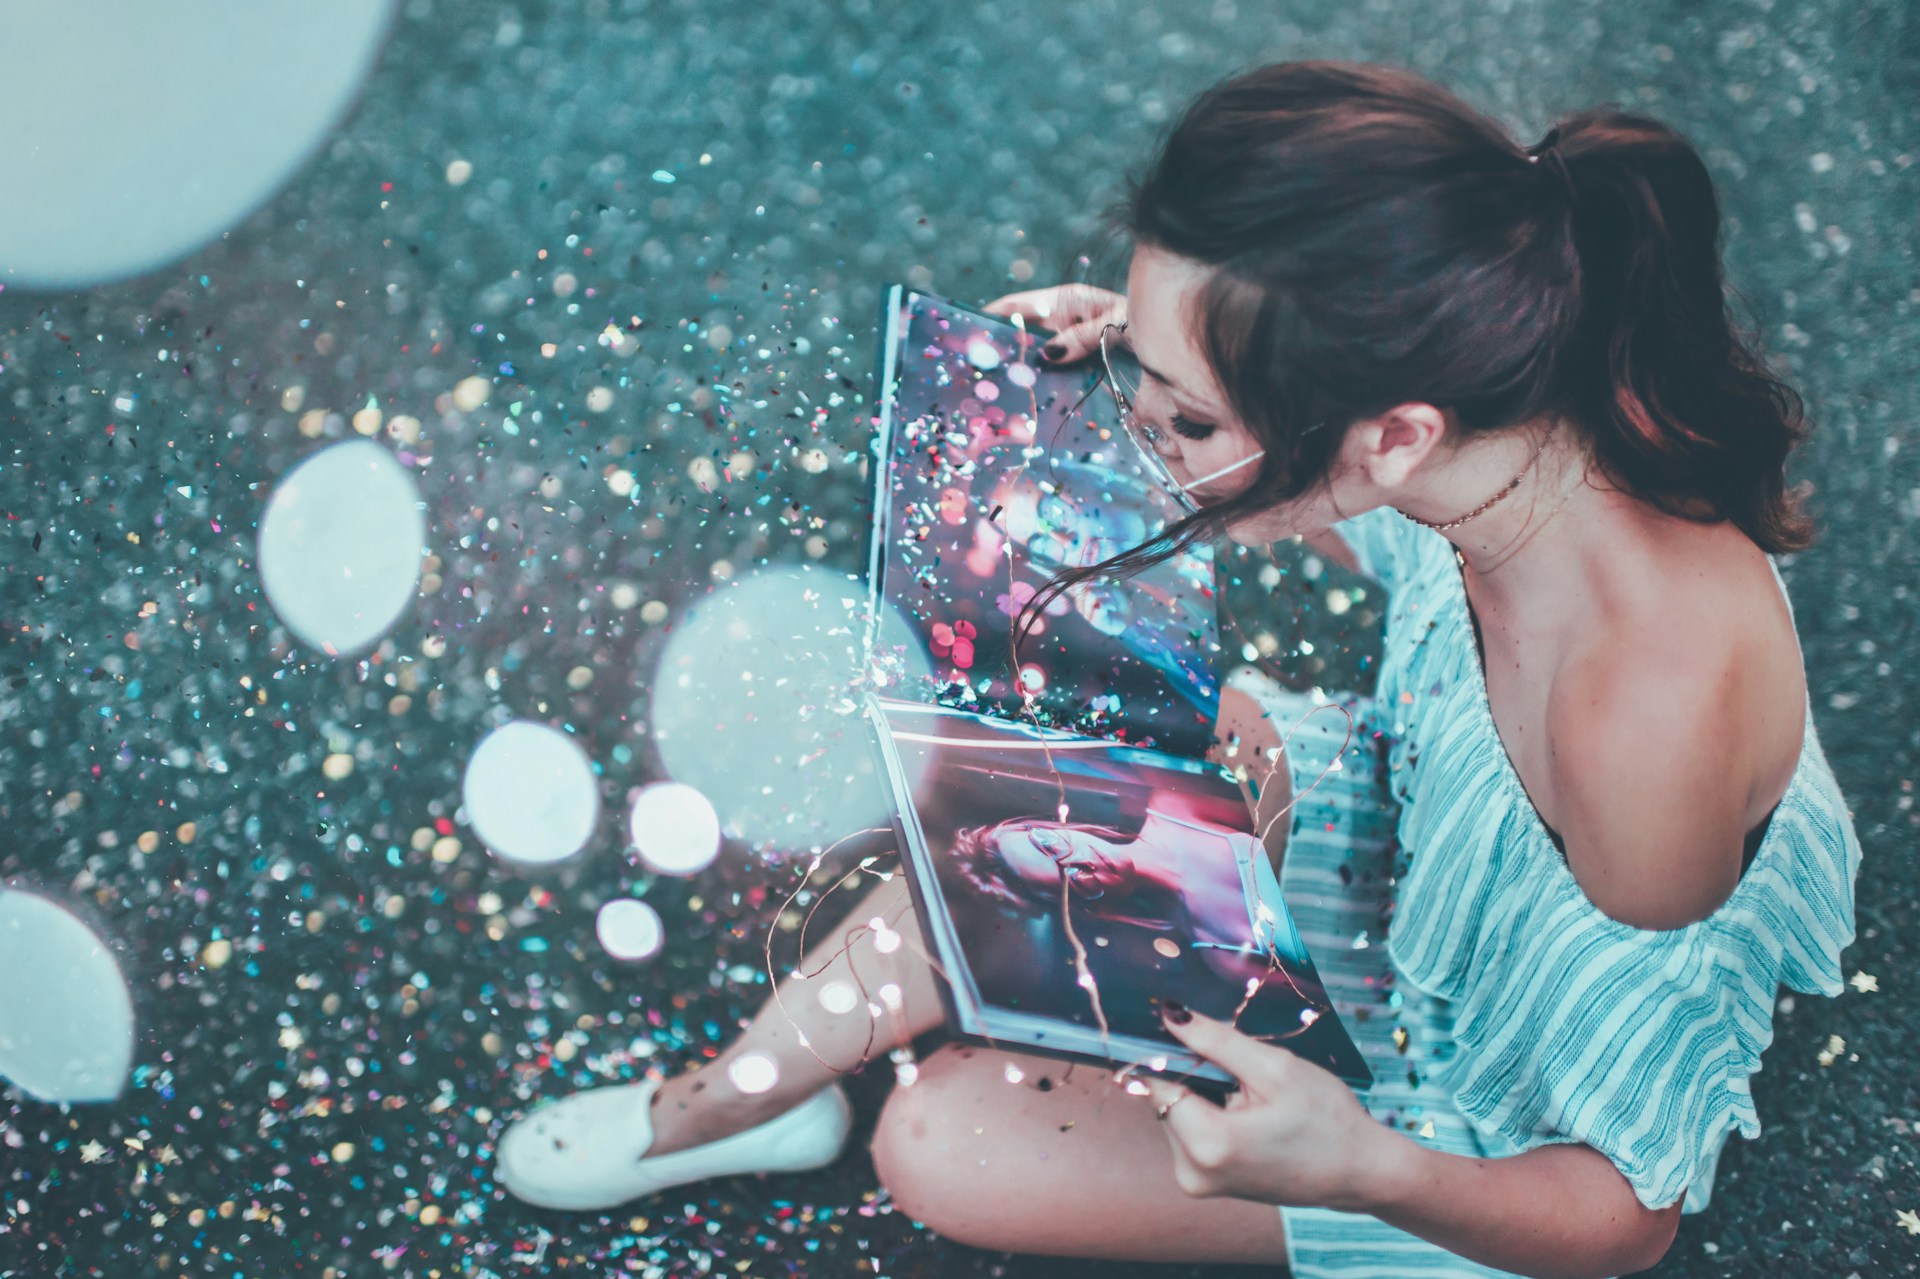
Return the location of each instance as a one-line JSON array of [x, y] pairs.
[[989, 482], [1068, 883]]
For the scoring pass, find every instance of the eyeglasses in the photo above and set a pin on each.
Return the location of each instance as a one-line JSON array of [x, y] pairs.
[[1146, 438], [1056, 846]]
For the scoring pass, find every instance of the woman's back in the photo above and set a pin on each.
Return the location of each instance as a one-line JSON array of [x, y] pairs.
[[1645, 614]]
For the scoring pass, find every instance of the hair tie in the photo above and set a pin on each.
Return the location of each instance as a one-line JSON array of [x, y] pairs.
[[1548, 149]]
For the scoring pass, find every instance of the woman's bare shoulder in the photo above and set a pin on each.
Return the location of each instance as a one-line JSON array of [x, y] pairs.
[[1682, 718]]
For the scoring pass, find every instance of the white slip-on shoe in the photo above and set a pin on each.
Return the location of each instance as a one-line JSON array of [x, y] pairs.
[[589, 1151]]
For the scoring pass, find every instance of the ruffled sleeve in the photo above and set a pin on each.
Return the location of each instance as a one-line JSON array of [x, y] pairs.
[[1573, 1027], [1385, 542]]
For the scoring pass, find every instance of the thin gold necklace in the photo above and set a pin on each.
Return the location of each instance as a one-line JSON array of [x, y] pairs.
[[1532, 532], [1512, 484]]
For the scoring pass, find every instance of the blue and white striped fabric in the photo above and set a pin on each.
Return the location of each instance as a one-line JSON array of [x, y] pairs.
[[1502, 1010], [1337, 882]]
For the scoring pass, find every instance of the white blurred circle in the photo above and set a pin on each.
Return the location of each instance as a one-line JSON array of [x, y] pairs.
[[340, 546], [754, 702], [137, 132], [629, 929], [983, 354], [530, 793], [753, 1073], [66, 1019], [674, 828], [838, 997]]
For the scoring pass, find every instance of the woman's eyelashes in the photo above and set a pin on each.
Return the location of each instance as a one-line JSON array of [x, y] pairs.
[[1187, 428]]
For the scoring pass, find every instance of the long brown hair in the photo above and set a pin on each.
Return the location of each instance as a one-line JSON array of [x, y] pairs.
[[1376, 241]]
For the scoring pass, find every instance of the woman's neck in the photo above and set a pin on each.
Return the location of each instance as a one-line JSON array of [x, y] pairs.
[[1534, 543]]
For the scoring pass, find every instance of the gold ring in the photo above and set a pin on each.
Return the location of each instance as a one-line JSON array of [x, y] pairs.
[[1176, 1101]]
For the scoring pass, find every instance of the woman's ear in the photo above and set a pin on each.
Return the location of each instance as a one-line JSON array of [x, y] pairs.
[[1396, 443]]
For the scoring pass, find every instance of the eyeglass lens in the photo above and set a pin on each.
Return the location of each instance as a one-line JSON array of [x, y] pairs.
[[1144, 438]]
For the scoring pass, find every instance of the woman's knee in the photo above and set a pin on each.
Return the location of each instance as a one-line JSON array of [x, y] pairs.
[[915, 1142]]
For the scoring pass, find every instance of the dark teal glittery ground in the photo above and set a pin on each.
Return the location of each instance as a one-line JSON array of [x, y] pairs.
[[327, 1097]]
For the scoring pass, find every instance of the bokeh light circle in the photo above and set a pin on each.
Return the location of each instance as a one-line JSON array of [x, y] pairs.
[[983, 354], [66, 1019], [629, 929], [755, 703], [753, 1073], [839, 997], [674, 828], [340, 546], [137, 132], [530, 794]]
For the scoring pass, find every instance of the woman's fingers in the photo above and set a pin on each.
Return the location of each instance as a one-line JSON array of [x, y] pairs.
[[1063, 308], [1191, 1131], [1043, 304], [1036, 304], [1078, 341], [1227, 1046]]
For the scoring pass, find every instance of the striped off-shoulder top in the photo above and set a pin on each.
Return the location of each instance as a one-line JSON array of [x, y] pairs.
[[1569, 1025]]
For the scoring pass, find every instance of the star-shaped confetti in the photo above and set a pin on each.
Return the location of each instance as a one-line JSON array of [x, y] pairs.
[[1910, 1220], [92, 1153], [1864, 982]]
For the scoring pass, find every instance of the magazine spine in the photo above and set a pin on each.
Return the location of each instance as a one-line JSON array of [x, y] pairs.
[[882, 447]]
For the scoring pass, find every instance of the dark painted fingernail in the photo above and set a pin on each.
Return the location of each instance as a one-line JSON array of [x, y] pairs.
[[1053, 350], [1175, 1012]]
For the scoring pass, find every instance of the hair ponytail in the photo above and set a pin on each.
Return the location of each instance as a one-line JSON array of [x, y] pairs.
[[1681, 410], [1373, 241]]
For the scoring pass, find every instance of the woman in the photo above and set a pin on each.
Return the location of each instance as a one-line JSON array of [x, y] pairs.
[[1503, 383]]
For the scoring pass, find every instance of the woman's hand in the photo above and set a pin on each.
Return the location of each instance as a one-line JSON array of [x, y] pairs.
[[1294, 1134], [1075, 312]]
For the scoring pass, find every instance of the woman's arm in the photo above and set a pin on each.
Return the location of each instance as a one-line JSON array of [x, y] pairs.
[[1557, 1212], [1295, 1134]]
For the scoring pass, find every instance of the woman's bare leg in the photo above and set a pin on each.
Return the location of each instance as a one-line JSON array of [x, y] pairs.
[[704, 1105], [1074, 1167]]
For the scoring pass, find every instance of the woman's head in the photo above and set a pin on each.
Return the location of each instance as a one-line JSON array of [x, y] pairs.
[[1320, 245], [1020, 861]]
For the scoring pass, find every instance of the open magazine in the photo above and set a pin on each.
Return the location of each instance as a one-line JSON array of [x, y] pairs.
[[1072, 855]]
